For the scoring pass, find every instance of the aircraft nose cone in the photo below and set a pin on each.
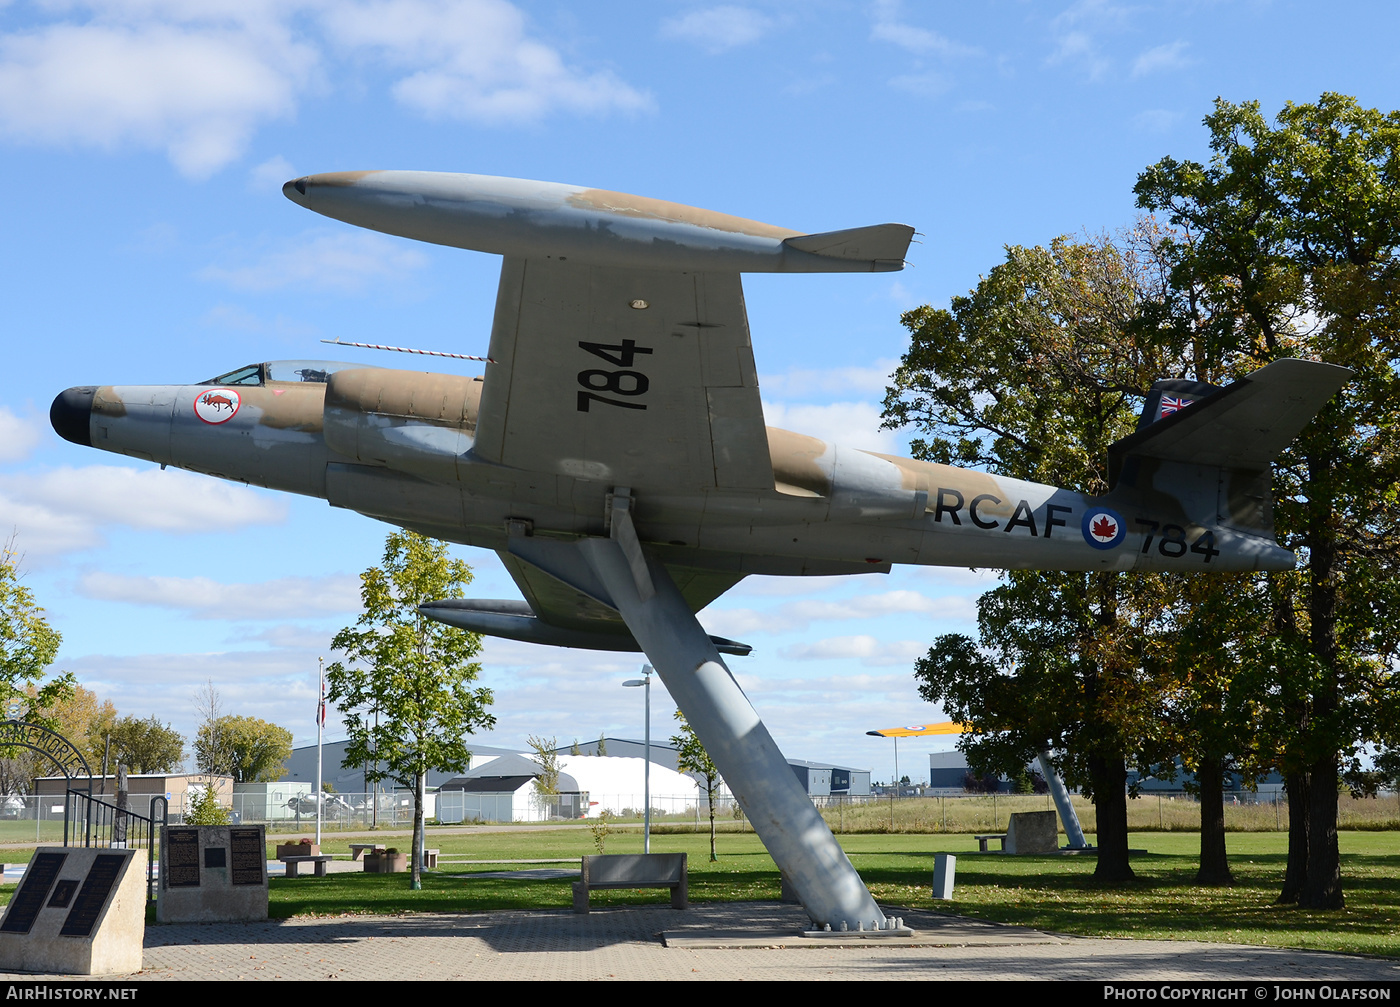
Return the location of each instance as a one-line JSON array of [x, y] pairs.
[[295, 190], [71, 414]]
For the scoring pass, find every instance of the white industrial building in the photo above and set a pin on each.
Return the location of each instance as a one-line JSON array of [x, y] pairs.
[[502, 789]]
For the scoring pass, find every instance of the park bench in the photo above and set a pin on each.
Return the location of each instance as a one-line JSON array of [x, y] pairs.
[[358, 850], [982, 840], [318, 863], [632, 870]]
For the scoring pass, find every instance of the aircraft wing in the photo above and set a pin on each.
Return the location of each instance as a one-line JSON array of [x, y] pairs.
[[620, 343], [635, 377]]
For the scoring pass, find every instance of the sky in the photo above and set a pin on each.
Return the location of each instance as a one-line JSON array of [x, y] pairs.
[[146, 240]]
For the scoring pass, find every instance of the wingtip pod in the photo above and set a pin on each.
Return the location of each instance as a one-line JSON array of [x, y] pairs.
[[537, 220]]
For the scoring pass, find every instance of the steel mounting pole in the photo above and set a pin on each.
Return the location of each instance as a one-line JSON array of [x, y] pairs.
[[715, 706]]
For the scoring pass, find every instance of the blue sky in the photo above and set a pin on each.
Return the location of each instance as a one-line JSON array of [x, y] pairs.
[[146, 240]]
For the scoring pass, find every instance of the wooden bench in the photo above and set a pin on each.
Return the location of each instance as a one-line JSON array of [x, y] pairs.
[[318, 862], [430, 860], [982, 840], [632, 870], [358, 850]]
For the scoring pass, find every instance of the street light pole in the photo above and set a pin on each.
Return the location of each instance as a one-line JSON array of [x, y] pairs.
[[645, 683]]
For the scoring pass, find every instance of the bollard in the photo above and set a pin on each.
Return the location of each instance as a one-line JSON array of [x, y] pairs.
[[944, 867]]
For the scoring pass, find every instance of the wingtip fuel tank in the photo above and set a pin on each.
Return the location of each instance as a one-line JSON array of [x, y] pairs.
[[550, 220]]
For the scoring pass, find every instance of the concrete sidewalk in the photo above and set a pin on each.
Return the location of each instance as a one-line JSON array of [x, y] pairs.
[[625, 943]]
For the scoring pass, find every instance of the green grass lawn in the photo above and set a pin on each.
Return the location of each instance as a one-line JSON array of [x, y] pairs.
[[1050, 893]]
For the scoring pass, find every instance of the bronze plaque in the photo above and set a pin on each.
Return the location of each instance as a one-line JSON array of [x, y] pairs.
[[181, 866], [97, 886], [248, 855], [63, 893], [25, 906]]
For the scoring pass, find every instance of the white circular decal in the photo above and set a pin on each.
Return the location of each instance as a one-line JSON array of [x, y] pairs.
[[217, 405], [1103, 528]]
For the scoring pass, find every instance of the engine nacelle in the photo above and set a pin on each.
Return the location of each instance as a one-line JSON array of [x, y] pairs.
[[404, 420]]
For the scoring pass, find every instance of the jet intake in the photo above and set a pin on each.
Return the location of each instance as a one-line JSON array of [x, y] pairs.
[[403, 420]]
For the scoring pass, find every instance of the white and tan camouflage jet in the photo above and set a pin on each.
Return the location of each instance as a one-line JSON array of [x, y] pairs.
[[614, 455]]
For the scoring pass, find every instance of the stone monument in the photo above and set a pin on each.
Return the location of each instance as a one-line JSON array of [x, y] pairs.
[[212, 874], [77, 911], [1032, 832]]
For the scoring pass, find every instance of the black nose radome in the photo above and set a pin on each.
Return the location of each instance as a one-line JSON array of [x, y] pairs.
[[71, 414]]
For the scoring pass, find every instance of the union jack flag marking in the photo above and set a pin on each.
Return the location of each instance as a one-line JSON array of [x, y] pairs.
[[1171, 405]]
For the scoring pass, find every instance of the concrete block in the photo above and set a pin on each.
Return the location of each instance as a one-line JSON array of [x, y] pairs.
[[945, 866], [77, 911], [1032, 832], [212, 874]]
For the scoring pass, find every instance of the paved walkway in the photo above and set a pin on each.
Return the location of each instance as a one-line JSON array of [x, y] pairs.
[[626, 943]]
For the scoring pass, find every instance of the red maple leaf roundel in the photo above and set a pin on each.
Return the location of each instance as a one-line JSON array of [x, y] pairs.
[[1104, 528]]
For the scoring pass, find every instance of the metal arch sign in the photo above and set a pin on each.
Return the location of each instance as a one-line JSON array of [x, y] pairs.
[[59, 749]]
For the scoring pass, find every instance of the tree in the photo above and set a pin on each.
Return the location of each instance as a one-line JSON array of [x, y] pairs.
[[147, 746], [212, 754], [79, 717], [694, 759], [547, 758], [1034, 374], [1292, 231], [602, 745], [414, 672], [204, 807], [28, 645], [246, 748]]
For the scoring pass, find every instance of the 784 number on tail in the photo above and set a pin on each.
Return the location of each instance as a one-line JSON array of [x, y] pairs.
[[625, 381]]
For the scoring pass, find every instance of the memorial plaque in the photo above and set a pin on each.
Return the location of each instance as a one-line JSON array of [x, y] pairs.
[[92, 917], [25, 906], [63, 893], [181, 866], [93, 895], [246, 847], [215, 856]]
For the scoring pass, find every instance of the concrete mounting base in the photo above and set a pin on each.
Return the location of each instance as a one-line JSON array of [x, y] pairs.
[[78, 911]]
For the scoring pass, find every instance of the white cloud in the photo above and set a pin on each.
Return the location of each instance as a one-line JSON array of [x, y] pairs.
[[717, 29], [193, 80], [800, 382], [867, 649], [921, 41], [343, 261], [18, 436], [196, 80], [1079, 48], [1161, 58], [1156, 120], [206, 598], [924, 85], [854, 423], [795, 616], [473, 60], [64, 509], [230, 316], [269, 176]]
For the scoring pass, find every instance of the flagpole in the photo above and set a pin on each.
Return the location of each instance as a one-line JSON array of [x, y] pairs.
[[320, 731]]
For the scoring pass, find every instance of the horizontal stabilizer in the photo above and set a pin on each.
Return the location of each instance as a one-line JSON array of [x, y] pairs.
[[514, 620], [1242, 426], [880, 243]]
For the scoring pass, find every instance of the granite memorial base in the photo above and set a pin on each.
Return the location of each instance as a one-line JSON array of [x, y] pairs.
[[1032, 832], [212, 874], [77, 911]]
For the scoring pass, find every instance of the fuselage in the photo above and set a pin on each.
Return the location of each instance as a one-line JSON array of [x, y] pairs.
[[397, 446]]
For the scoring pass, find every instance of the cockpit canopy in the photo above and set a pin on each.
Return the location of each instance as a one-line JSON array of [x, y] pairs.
[[315, 371]]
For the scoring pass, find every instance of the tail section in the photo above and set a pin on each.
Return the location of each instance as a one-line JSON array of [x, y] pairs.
[[1202, 455]]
